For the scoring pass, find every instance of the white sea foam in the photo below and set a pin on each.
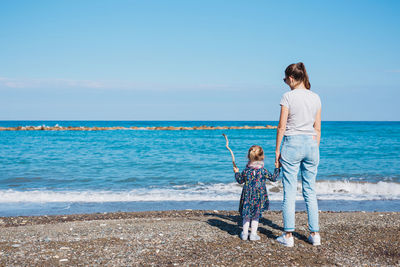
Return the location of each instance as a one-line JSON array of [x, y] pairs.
[[326, 190]]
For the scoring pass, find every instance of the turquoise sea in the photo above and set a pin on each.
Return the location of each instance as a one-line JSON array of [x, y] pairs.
[[62, 172]]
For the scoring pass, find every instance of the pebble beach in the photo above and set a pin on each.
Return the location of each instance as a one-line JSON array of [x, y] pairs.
[[196, 238]]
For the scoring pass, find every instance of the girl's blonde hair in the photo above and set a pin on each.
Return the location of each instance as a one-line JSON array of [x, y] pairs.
[[255, 153]]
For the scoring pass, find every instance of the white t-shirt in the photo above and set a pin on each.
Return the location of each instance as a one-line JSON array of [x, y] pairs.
[[303, 106]]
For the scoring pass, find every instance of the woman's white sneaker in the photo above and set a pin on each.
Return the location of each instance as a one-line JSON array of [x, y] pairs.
[[315, 239], [286, 241]]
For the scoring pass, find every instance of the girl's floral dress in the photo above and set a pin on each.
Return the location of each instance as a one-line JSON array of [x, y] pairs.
[[254, 199]]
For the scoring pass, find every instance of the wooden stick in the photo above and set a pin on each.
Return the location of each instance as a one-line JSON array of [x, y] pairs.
[[230, 150]]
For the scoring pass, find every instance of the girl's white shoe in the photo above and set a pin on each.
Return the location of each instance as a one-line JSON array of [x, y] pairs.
[[244, 236], [286, 241], [315, 240], [254, 237]]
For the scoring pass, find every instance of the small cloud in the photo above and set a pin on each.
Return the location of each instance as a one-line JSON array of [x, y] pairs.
[[394, 71], [48, 83]]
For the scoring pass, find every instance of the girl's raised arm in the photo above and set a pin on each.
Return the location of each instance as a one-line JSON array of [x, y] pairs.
[[240, 177]]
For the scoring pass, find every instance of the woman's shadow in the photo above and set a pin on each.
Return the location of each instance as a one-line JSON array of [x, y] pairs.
[[234, 228]]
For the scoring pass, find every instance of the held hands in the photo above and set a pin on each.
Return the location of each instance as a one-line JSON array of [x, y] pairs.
[[235, 169], [277, 158]]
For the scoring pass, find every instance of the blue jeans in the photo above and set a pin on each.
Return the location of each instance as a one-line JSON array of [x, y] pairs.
[[299, 152]]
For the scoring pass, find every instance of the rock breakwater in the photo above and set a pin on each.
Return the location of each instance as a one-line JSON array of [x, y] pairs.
[[158, 128]]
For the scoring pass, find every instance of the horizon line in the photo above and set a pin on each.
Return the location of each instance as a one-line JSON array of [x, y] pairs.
[[201, 120]]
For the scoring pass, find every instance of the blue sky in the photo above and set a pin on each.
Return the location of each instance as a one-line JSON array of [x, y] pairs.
[[195, 60]]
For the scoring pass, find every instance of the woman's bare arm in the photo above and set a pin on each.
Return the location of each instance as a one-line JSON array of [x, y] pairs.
[[280, 132], [317, 125]]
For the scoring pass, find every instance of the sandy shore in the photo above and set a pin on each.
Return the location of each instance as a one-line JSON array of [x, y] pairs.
[[181, 238]]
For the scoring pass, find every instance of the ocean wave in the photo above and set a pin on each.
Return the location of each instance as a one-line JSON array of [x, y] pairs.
[[326, 190]]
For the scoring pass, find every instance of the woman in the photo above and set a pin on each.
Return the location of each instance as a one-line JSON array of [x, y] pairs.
[[300, 128]]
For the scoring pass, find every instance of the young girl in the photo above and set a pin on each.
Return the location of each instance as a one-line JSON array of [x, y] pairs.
[[254, 199]]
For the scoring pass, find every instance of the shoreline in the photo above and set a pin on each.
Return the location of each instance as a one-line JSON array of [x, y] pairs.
[[195, 237], [10, 209]]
